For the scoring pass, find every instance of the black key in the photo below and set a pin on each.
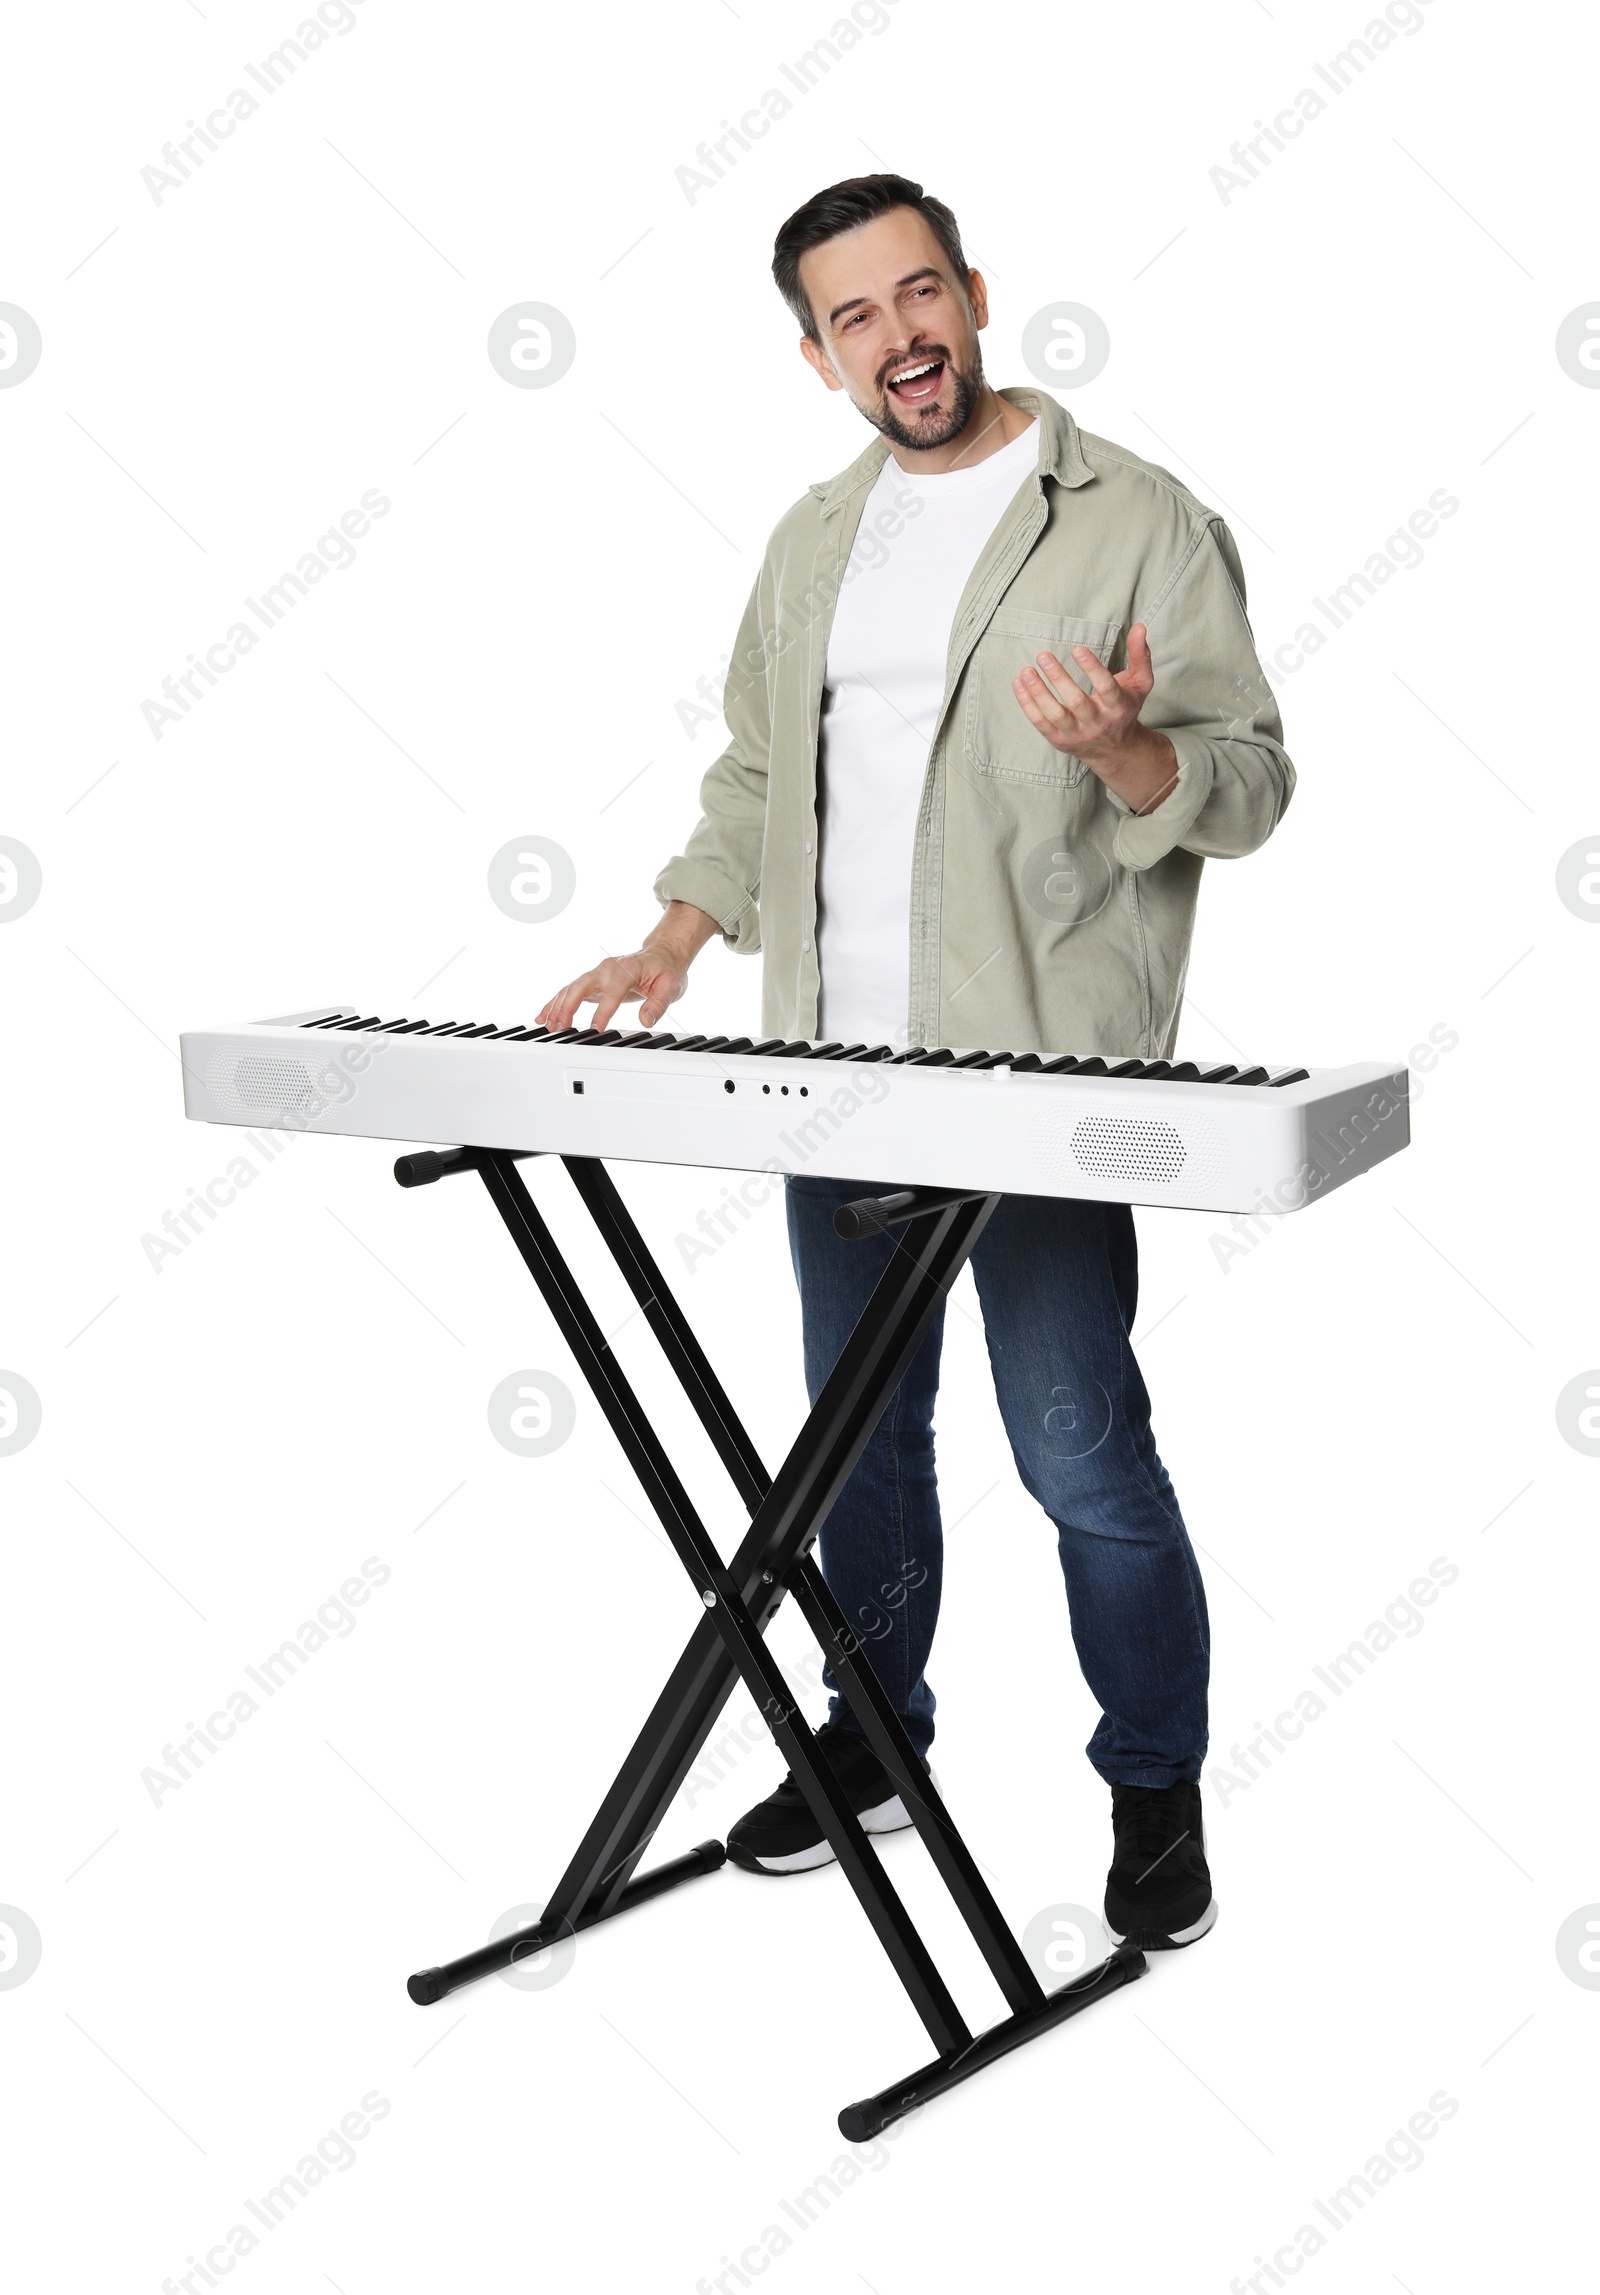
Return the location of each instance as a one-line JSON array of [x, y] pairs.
[[1027, 1064], [609, 1036], [1186, 1072], [488, 1029], [1250, 1076], [822, 1051], [499, 1034], [1290, 1076], [997, 1060], [657, 1043], [523, 1035], [686, 1044], [370, 1022], [791, 1051], [1219, 1075], [972, 1060], [737, 1044], [843, 1052], [908, 1059], [1157, 1071], [442, 1027], [1068, 1066], [638, 1037], [1126, 1068], [392, 1027], [767, 1045], [943, 1057], [714, 1044], [330, 1020], [585, 1036], [874, 1052]]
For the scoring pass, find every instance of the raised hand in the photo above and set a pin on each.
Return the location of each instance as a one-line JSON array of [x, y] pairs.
[[1102, 726]]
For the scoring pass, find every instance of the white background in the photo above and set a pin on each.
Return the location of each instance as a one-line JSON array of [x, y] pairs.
[[225, 1440]]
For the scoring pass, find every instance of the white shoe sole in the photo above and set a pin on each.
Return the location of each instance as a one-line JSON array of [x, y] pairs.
[[889, 1816], [1183, 1935]]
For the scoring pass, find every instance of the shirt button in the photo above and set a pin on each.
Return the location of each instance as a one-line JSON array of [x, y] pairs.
[[806, 946], [808, 844]]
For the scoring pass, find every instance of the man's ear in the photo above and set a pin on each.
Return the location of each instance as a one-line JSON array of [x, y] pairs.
[[818, 361], [978, 297]]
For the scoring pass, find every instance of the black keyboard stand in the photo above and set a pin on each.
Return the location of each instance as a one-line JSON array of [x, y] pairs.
[[741, 1598]]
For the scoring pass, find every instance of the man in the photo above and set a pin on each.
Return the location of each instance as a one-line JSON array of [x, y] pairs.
[[993, 702]]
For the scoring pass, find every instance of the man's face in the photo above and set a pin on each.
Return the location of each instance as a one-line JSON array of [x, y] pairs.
[[897, 330]]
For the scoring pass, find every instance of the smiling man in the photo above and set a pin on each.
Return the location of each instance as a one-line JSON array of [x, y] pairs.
[[993, 703]]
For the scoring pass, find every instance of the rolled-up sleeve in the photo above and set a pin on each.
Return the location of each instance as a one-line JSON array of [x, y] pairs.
[[719, 869], [1212, 701]]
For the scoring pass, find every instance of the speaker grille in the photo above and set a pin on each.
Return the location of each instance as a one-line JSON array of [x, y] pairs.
[[276, 1084], [1114, 1147]]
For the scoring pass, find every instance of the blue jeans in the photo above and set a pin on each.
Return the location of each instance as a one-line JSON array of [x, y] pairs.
[[1058, 1283]]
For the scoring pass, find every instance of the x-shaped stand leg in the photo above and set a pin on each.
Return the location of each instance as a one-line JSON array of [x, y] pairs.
[[740, 1600]]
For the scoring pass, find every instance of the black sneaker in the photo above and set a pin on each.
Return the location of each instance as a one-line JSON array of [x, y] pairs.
[[1158, 1891], [780, 1835]]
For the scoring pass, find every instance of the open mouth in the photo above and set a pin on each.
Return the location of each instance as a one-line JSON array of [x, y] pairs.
[[916, 384]]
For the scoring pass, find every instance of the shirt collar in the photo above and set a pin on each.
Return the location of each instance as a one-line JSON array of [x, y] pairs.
[[1060, 452]]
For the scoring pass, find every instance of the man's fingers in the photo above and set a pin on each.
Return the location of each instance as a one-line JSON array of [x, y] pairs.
[[563, 1006], [1139, 677], [608, 987], [1053, 718], [1030, 687], [1101, 682]]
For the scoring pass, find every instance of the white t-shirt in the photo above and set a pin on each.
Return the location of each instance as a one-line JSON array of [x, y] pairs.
[[920, 537]]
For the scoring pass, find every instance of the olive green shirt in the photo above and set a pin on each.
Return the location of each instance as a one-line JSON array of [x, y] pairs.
[[1044, 915]]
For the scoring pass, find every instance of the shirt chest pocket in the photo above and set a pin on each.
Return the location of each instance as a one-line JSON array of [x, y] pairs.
[[1000, 739]]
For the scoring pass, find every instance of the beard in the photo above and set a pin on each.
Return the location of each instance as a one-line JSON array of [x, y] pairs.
[[938, 430]]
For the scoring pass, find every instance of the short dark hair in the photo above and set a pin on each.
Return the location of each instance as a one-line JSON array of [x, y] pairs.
[[860, 199]]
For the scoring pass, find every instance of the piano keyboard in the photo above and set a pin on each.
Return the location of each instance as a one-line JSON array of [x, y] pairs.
[[1209, 1136]]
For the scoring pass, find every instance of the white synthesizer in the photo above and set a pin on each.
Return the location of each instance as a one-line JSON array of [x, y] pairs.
[[1201, 1136]]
